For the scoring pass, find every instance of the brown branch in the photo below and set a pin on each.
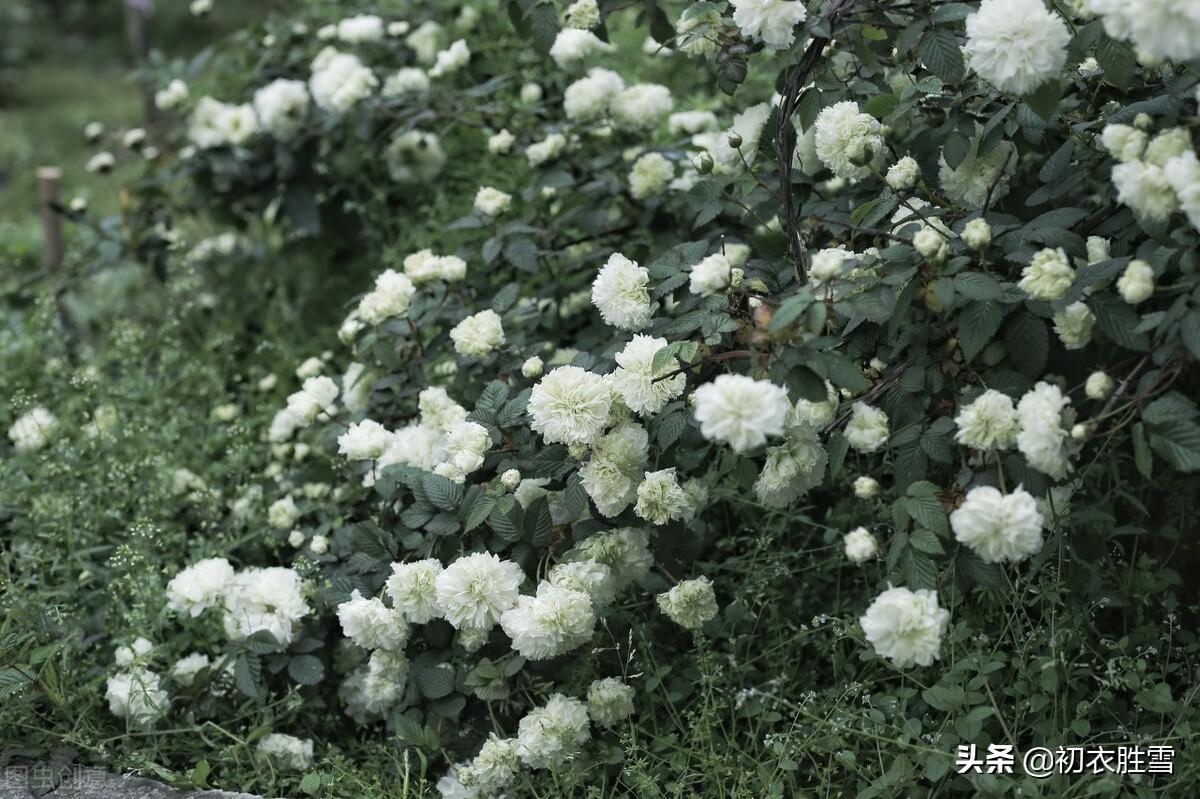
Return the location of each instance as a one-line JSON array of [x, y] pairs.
[[721, 356]]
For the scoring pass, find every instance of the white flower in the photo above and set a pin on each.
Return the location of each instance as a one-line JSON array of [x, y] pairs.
[[618, 460], [638, 383], [1136, 283], [1073, 325], [978, 178], [549, 624], [848, 141], [319, 545], [1160, 29], [748, 127], [641, 106], [570, 406], [791, 469], [828, 263], [550, 735], [269, 600], [1144, 188], [496, 765], [501, 142], [545, 150], [423, 266], [689, 123], [478, 335], [690, 603], [865, 487], [1183, 174], [281, 106], [1045, 419], [391, 297], [1016, 45], [573, 45], [1098, 249], [867, 429], [903, 174], [405, 82], [101, 162], [311, 367], [466, 442], [32, 429], [414, 156], [661, 498], [711, 275], [531, 93], [452, 59], [200, 7], [412, 589], [977, 234], [288, 751], [361, 28], [1048, 275], [136, 695], [741, 411], [582, 14], [371, 624], [590, 97], [339, 81], [620, 292], [187, 667], [1099, 386], [626, 551], [990, 422], [695, 30], [365, 440], [1124, 142], [772, 21], [906, 626], [860, 545], [200, 586], [491, 201], [425, 41], [651, 174], [998, 527], [139, 650], [609, 700], [283, 513], [589, 576], [315, 396], [532, 367], [438, 410], [930, 243], [175, 94], [475, 589]]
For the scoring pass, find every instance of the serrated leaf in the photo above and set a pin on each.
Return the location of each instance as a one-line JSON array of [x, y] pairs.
[[1189, 332], [1117, 60], [538, 523], [977, 324], [1044, 100], [478, 512], [1178, 442], [925, 541], [670, 428], [918, 570], [840, 371], [261, 642], [1028, 344], [1057, 164], [442, 492], [939, 50], [1119, 322], [247, 671], [978, 286], [506, 519], [1142, 458], [436, 681], [976, 572], [543, 24]]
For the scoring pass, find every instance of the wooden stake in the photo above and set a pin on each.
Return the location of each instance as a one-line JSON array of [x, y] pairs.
[[49, 179]]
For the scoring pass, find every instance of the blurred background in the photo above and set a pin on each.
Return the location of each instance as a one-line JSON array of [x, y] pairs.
[[67, 63]]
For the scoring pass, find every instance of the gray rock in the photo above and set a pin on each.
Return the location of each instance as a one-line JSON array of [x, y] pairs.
[[41, 781]]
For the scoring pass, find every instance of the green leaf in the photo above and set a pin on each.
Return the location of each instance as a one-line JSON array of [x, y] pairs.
[[1142, 458], [543, 24], [838, 446], [443, 492], [881, 105], [978, 286], [926, 508], [506, 519], [538, 523], [1119, 322], [1178, 442], [247, 671], [261, 642], [839, 370], [939, 50], [306, 669], [1189, 332], [1028, 344], [480, 509], [1056, 165], [436, 681], [926, 542], [976, 572], [918, 570], [1044, 101], [955, 149], [1117, 60], [977, 324]]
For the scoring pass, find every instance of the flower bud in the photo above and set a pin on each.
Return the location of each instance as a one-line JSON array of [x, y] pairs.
[[703, 163]]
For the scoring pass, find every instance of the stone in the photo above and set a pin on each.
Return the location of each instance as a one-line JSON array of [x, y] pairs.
[[41, 781]]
